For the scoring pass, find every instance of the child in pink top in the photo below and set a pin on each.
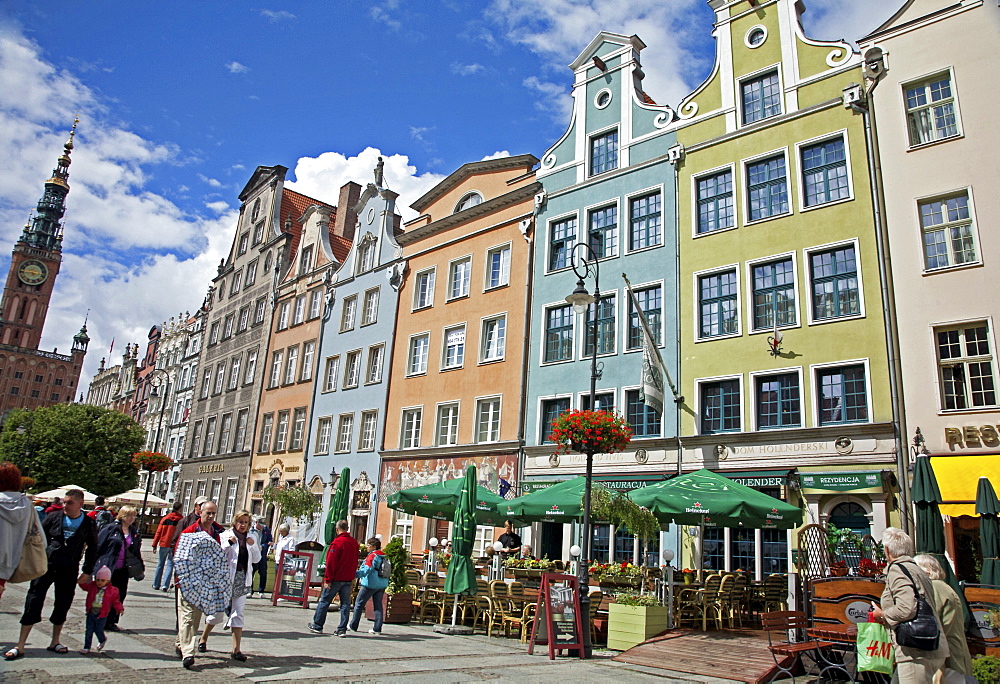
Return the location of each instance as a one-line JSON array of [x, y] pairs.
[[102, 596]]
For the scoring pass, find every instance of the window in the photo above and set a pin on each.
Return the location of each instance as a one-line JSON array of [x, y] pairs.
[[604, 153], [239, 440], [468, 201], [315, 304], [366, 255], [258, 232], [330, 373], [824, 172], [369, 422], [965, 360], [602, 231], [206, 383], [835, 290], [234, 373], [417, 363], [305, 260], [494, 339], [410, 434], [323, 430], [715, 202], [778, 401], [947, 228], [930, 110], [300, 310], [562, 237], [347, 315], [227, 428], [283, 313], [261, 311], [369, 313], [210, 436], [559, 333], [717, 303], [843, 395], [551, 409], [298, 428], [604, 401], [266, 426], [720, 406], [488, 420], [373, 373], [244, 319], [268, 260], [607, 328], [252, 272], [251, 370], [281, 435], [220, 377], [196, 439], [275, 378], [645, 221], [645, 420], [292, 365], [498, 267], [403, 528], [423, 290], [244, 241], [230, 498], [213, 333], [237, 280], [773, 294], [308, 355], [228, 326], [454, 348], [761, 97], [447, 425], [651, 303], [352, 369], [458, 278], [767, 188]]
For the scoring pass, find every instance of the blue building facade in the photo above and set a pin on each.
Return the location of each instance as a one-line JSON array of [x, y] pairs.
[[608, 183]]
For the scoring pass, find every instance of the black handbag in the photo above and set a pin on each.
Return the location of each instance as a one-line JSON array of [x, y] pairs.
[[920, 631], [135, 566]]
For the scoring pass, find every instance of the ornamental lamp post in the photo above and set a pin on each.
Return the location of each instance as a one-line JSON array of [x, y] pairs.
[[584, 261], [155, 382]]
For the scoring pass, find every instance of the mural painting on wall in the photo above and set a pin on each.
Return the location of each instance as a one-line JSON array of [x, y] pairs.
[[495, 473]]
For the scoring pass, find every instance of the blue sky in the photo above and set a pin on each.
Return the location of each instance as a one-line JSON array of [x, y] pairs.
[[180, 101]]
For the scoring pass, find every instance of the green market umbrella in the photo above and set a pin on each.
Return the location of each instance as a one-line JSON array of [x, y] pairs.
[[988, 507], [438, 501], [562, 502], [338, 504], [461, 578], [707, 498]]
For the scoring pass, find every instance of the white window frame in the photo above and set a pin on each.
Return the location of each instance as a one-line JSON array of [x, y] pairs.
[[800, 177], [300, 310], [266, 433], [308, 358], [938, 381], [744, 182], [411, 350], [974, 230], [348, 312], [251, 367], [950, 71], [504, 280], [751, 401], [466, 281], [544, 332], [454, 416], [737, 199], [540, 403], [484, 330], [291, 365], [315, 304], [581, 351], [480, 402], [274, 378], [626, 231], [428, 275], [574, 215], [281, 430], [331, 373], [699, 382], [807, 273], [461, 347], [324, 432], [283, 311], [410, 439], [231, 488], [373, 368], [584, 234], [368, 433], [345, 433], [815, 368], [696, 285], [298, 429], [369, 313], [749, 304], [352, 373]]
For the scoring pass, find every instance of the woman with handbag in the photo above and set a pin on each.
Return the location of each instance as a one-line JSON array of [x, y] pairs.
[[118, 549], [907, 608], [17, 517]]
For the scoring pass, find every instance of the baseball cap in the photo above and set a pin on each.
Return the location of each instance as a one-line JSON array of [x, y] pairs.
[[201, 500]]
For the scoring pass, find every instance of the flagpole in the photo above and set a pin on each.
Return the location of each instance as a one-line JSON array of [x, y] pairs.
[[656, 349]]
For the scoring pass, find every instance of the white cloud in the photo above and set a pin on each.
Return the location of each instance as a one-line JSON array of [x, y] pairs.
[[209, 181], [237, 68], [218, 207], [383, 17], [274, 16], [466, 69], [500, 154], [555, 98]]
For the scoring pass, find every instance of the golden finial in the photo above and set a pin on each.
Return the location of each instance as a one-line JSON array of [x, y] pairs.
[[72, 133]]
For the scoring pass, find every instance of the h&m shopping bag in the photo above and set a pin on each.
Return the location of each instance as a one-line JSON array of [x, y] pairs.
[[874, 648]]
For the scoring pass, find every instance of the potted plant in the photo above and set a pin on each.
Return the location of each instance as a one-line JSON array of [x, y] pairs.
[[632, 619], [292, 501], [870, 568], [838, 568], [398, 608], [687, 574], [596, 432]]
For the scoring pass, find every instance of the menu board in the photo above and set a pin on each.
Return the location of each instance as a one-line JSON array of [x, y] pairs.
[[558, 620], [292, 583]]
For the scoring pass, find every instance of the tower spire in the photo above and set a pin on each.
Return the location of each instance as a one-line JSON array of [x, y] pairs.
[[45, 231]]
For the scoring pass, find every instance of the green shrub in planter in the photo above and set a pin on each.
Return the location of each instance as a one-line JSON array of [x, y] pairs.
[[986, 669]]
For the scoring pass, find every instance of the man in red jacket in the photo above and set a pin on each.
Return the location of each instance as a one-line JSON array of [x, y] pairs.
[[163, 542], [341, 565]]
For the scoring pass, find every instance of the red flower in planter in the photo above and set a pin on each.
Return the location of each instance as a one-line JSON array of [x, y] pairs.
[[152, 461]]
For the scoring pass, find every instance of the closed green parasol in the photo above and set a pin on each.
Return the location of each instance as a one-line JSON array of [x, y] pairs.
[[988, 508], [461, 577], [562, 502], [438, 501], [338, 504], [707, 498]]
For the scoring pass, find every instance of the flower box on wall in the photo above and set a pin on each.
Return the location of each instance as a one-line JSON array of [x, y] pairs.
[[629, 626]]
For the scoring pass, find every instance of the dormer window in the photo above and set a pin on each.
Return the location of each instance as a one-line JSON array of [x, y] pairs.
[[468, 201]]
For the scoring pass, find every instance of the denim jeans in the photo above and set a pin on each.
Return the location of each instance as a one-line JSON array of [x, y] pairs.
[[377, 595], [343, 589], [164, 568], [95, 625]]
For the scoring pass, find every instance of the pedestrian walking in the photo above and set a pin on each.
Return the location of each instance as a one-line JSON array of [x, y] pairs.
[[284, 541], [201, 576], [16, 514], [102, 598], [70, 535], [195, 515], [163, 542], [118, 549], [341, 568], [949, 610], [264, 538], [101, 515], [373, 586], [241, 553]]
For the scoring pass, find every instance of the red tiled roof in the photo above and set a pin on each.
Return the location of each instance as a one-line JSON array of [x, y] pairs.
[[293, 205], [340, 245], [645, 97]]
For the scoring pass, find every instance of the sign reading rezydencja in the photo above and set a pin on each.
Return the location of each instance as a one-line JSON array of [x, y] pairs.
[[842, 482], [292, 583]]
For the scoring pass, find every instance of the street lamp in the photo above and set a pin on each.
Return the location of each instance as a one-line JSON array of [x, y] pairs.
[[155, 382], [584, 261]]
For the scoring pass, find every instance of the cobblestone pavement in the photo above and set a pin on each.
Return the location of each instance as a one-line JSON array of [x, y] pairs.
[[279, 647]]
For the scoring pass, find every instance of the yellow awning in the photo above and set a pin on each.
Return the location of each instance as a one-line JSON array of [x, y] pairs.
[[958, 477]]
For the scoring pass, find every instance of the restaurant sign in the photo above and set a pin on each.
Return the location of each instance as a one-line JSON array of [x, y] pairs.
[[617, 484], [843, 481]]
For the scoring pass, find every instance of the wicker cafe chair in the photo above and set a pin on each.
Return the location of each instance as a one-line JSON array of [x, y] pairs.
[[432, 599], [412, 576], [721, 606], [778, 624], [695, 603], [517, 596], [776, 592], [739, 600]]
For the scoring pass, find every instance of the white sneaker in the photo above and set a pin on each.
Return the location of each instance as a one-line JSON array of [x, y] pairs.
[[372, 631]]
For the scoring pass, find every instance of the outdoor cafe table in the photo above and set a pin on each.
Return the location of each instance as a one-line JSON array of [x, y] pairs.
[[845, 638]]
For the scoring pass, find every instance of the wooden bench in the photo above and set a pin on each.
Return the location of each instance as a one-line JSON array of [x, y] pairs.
[[783, 621]]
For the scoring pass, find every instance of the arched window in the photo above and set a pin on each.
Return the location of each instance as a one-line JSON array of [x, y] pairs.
[[468, 201]]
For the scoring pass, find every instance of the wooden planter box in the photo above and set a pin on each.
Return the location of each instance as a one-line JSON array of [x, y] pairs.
[[398, 609], [629, 626]]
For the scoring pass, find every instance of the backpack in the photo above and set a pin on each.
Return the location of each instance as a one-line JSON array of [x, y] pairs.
[[385, 569], [103, 518]]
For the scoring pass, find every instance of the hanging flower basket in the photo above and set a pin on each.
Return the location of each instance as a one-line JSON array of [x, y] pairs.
[[594, 432], [152, 461]]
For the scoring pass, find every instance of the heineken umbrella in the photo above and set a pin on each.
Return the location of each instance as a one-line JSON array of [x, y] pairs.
[[203, 572], [438, 501], [338, 504], [707, 498], [988, 509], [461, 578], [562, 502]]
